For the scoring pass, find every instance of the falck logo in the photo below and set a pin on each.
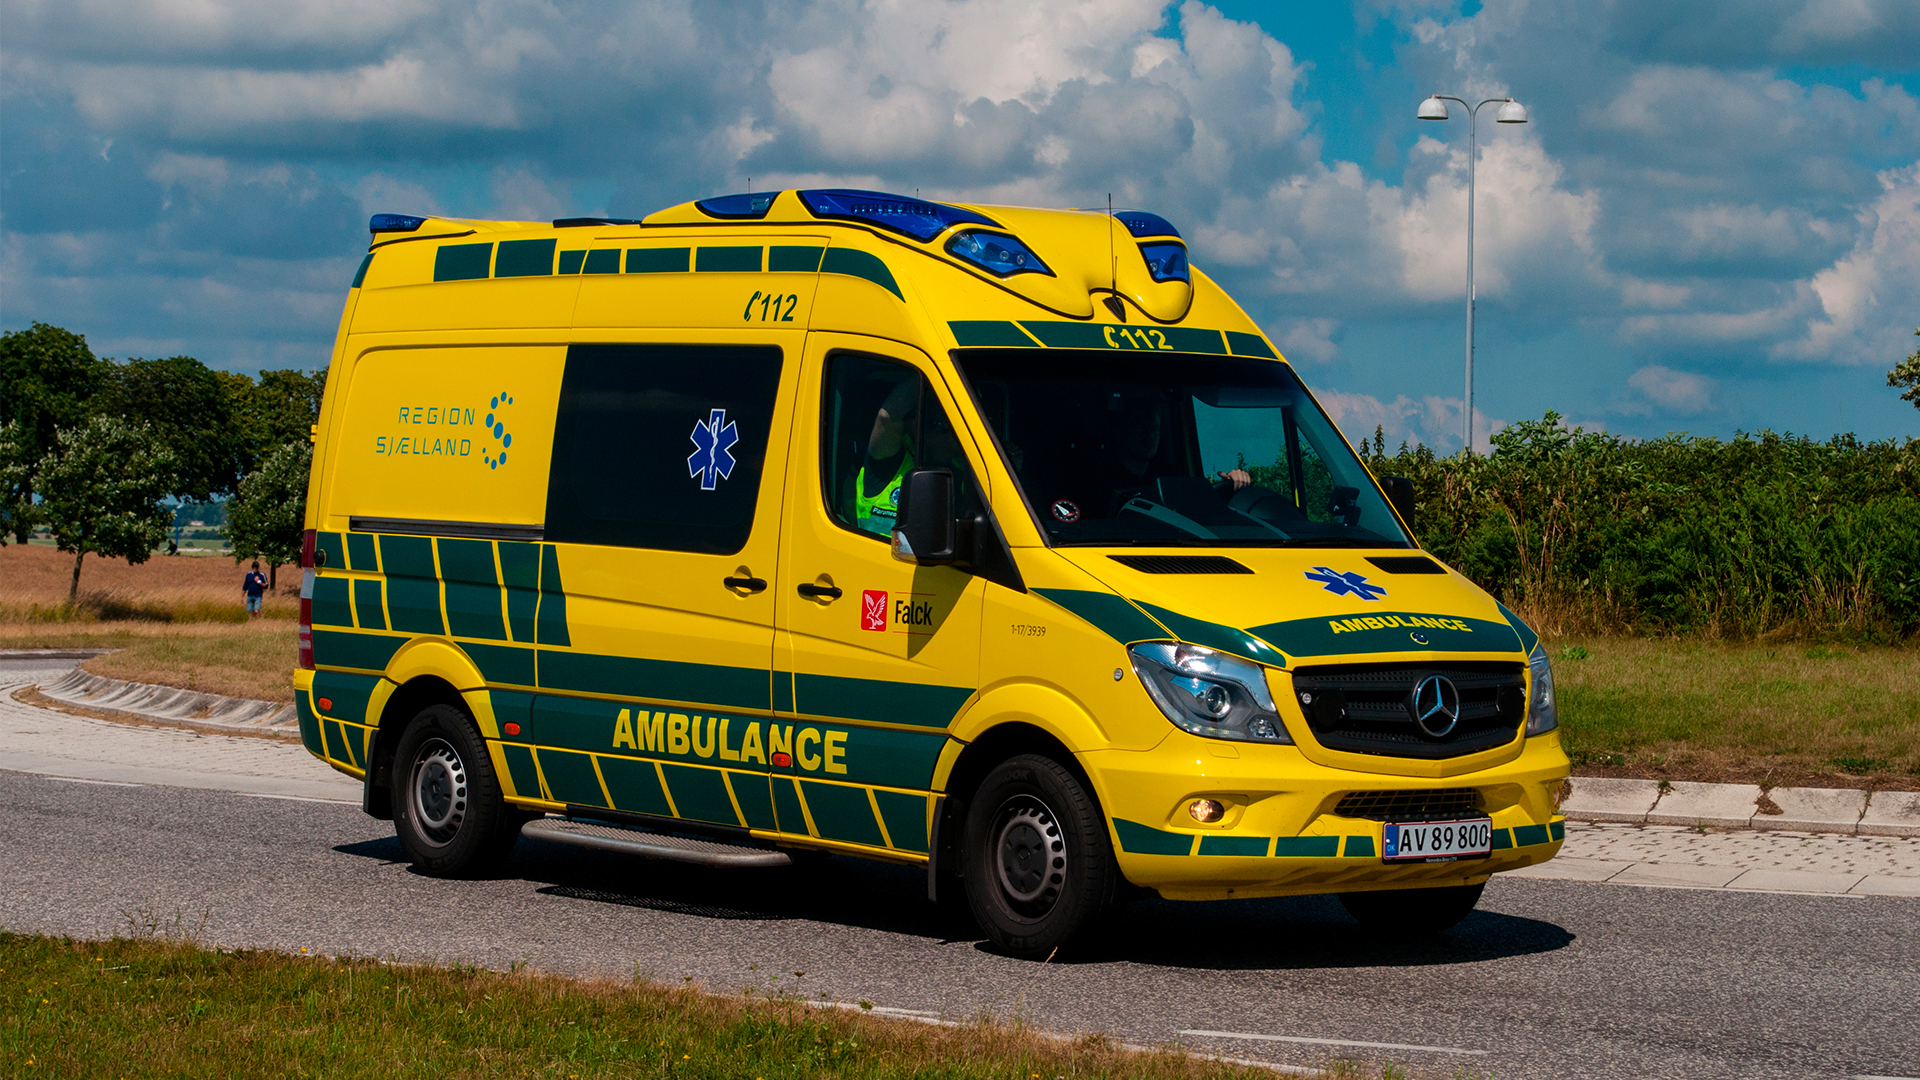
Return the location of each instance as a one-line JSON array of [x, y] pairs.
[[873, 609], [1341, 584], [1436, 705], [713, 439]]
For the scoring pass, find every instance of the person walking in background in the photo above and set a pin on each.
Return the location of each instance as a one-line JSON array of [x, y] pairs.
[[255, 587]]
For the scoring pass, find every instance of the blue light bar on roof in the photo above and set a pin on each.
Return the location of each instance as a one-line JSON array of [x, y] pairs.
[[380, 223], [747, 207], [1141, 223], [911, 217]]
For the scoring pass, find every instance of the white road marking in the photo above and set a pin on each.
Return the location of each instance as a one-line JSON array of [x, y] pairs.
[[80, 780], [291, 798], [1866, 1076], [1331, 1042]]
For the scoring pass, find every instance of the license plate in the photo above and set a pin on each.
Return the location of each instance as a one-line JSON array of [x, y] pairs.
[[1437, 841]]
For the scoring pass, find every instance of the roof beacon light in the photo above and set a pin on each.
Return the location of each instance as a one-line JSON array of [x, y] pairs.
[[750, 207], [996, 253], [380, 223], [911, 217], [1141, 223], [1166, 262]]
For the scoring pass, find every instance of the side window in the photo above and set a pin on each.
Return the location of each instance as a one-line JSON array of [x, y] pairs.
[[880, 421], [661, 446]]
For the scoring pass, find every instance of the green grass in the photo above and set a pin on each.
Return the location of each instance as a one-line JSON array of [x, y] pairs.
[[1782, 714], [167, 1008]]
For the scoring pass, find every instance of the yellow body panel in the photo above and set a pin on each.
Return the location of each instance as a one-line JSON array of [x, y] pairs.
[[681, 677]]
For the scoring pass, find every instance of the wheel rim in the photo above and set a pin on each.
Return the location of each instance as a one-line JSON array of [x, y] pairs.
[[438, 791], [1029, 856]]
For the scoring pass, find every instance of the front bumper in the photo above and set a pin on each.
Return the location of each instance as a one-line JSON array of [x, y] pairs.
[[1281, 836]]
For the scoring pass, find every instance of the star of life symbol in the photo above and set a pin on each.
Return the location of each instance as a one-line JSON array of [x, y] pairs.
[[1340, 584], [715, 437]]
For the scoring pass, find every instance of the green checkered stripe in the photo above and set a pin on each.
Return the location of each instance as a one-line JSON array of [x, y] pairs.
[[1138, 839]]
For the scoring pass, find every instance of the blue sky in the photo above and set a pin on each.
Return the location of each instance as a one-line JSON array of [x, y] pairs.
[[1711, 224]]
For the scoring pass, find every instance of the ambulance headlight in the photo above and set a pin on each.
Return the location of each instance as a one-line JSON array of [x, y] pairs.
[[1209, 693], [1542, 716]]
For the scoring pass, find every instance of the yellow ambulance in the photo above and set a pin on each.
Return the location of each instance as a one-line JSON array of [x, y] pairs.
[[990, 540]]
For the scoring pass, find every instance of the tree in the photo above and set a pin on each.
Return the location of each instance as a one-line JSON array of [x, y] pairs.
[[281, 408], [191, 412], [17, 511], [48, 382], [100, 492], [267, 521], [1907, 373]]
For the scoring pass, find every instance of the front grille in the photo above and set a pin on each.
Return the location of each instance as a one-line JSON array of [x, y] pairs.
[[1368, 708], [1439, 805]]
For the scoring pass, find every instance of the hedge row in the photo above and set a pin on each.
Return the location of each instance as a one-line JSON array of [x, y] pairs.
[[1761, 535]]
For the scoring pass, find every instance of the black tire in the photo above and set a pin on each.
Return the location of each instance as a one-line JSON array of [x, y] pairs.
[[448, 810], [1412, 911], [1038, 866]]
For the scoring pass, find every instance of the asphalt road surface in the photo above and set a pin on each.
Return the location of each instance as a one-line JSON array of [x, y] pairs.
[[1547, 979]]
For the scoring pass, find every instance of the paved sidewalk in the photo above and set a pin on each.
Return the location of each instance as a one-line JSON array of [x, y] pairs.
[[1738, 859]]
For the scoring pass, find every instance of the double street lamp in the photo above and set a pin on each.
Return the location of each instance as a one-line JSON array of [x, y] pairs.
[[1511, 112]]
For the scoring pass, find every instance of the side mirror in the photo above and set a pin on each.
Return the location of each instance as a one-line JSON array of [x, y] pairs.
[[1399, 491], [925, 533]]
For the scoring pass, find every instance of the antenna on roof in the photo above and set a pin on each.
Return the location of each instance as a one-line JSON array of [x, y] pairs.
[[1113, 269]]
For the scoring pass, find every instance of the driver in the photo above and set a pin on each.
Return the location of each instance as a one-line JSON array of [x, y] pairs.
[[890, 457], [1135, 445]]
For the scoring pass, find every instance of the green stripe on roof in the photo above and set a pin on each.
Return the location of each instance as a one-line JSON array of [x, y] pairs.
[[860, 264], [525, 258], [794, 260], [659, 260], [988, 333], [1244, 344], [1108, 613], [1088, 335], [462, 262], [727, 260]]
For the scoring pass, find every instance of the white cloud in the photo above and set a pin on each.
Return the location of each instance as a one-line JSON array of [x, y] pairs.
[[1868, 300], [1681, 392], [1430, 420]]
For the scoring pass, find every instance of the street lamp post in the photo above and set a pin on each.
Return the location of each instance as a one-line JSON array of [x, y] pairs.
[[1511, 112]]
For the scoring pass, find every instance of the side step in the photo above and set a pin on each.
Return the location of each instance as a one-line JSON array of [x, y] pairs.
[[653, 845]]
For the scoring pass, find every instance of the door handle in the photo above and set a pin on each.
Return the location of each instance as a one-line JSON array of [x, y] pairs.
[[814, 592], [749, 584]]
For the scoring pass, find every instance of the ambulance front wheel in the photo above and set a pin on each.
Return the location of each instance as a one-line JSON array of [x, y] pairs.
[[1412, 911], [447, 805], [1038, 867]]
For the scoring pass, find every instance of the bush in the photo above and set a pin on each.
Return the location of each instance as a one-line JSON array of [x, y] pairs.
[[1760, 535]]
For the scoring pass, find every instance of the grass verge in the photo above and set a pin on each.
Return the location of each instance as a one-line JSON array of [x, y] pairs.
[[1788, 714], [152, 1008], [244, 660]]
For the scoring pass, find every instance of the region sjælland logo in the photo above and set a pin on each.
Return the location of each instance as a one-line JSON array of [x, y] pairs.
[[494, 451]]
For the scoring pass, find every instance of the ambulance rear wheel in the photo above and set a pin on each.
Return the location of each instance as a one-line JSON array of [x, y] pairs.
[[1039, 870], [1412, 911], [448, 810]]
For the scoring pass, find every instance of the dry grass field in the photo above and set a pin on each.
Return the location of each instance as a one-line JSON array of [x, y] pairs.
[[34, 579], [177, 621]]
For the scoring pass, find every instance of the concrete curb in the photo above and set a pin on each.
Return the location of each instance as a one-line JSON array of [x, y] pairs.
[[171, 705], [52, 654], [1853, 811]]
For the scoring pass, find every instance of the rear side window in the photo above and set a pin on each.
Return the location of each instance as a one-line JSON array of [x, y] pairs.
[[661, 446]]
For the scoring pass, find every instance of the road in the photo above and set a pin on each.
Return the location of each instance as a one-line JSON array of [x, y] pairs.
[[1547, 979]]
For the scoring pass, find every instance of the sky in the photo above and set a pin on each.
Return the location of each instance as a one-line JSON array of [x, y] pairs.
[[1711, 223]]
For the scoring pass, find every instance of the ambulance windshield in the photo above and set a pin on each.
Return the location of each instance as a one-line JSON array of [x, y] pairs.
[[1175, 449]]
